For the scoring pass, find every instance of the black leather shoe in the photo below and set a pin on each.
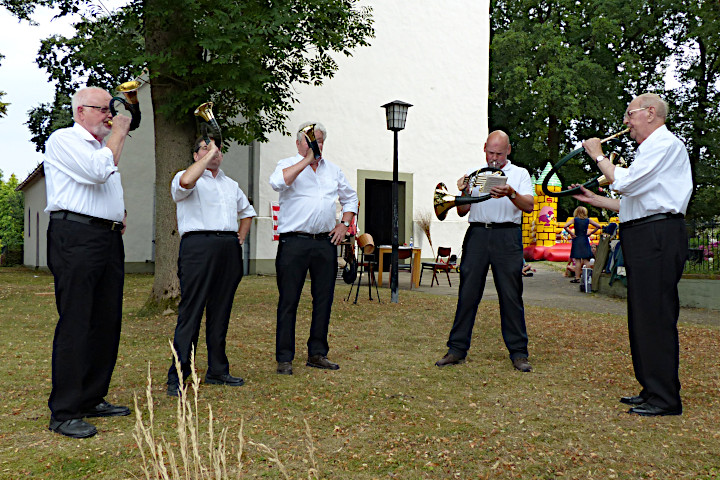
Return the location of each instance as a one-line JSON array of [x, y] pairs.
[[173, 389], [522, 364], [225, 379], [75, 428], [636, 400], [106, 409], [284, 368], [321, 361], [449, 359], [649, 410]]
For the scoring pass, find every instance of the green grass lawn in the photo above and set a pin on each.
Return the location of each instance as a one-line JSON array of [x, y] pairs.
[[388, 412]]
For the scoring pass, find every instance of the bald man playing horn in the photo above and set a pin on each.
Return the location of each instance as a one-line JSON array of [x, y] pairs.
[[493, 240], [655, 191]]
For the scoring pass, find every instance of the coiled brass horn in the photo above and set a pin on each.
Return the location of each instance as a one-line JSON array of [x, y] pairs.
[[593, 182], [309, 132], [443, 201], [210, 127], [131, 102]]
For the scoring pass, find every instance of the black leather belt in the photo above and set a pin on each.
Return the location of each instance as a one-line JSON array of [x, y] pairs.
[[651, 218], [314, 236], [210, 233], [86, 219], [495, 225]]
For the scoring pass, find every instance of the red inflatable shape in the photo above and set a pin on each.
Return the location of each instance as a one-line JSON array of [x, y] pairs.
[[560, 252]]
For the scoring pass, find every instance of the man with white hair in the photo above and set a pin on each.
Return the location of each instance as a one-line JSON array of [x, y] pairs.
[[309, 235], [86, 257], [655, 191]]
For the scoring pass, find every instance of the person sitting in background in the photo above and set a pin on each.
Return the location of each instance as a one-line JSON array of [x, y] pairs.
[[527, 270]]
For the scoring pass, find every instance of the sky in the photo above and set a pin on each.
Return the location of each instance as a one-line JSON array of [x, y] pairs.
[[25, 86]]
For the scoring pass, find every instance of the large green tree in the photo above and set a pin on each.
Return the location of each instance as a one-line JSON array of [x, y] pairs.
[[246, 56], [563, 70], [695, 38], [11, 214]]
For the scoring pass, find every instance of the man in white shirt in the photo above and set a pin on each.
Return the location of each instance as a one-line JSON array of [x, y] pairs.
[[309, 235], [86, 257], [210, 264], [493, 240], [655, 191]]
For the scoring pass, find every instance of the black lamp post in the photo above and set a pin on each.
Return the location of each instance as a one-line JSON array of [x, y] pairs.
[[396, 113]]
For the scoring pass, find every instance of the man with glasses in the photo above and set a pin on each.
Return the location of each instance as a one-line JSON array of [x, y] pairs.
[[210, 263], [86, 257], [655, 191], [309, 233]]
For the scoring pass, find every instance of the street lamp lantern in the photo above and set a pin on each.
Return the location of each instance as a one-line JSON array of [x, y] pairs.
[[396, 113]]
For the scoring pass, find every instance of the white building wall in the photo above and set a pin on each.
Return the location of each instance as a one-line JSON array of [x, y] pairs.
[[137, 172], [36, 223], [432, 55]]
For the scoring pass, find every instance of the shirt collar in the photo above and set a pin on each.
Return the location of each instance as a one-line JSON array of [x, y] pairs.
[[82, 131], [300, 157], [656, 133], [208, 173]]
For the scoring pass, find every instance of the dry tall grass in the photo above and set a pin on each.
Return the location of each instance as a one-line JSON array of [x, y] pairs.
[[424, 220], [159, 456]]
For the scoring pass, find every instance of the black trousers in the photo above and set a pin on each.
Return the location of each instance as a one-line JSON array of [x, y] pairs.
[[296, 256], [88, 263], [655, 255], [210, 269], [500, 249]]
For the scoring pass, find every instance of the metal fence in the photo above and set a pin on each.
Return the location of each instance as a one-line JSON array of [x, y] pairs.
[[704, 251]]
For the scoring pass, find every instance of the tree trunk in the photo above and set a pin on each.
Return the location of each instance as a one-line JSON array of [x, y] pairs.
[[553, 139], [173, 147]]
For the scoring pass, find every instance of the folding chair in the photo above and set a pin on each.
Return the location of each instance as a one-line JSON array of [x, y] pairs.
[[441, 263]]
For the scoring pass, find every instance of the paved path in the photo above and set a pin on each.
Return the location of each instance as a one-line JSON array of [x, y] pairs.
[[548, 288]]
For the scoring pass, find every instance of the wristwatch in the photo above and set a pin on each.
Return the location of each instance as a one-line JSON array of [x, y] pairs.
[[347, 224], [601, 157], [513, 195]]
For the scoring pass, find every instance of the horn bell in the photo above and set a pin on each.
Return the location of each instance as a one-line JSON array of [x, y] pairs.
[[443, 201], [205, 112]]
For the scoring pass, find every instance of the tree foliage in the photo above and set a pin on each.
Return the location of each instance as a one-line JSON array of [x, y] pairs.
[[246, 56], [11, 214], [3, 106], [562, 71], [695, 39]]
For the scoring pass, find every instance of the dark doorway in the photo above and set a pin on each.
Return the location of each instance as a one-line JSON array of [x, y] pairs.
[[377, 212]]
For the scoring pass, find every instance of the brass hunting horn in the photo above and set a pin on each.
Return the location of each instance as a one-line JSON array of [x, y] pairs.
[[594, 182], [443, 201], [309, 132], [210, 126], [132, 105]]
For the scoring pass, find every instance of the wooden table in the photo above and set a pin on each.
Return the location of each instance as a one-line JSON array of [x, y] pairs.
[[415, 269]]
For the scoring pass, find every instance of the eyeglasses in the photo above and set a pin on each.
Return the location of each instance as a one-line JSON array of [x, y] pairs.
[[103, 110], [629, 113]]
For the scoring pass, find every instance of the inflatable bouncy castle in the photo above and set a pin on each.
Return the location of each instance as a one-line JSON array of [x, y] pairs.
[[542, 232]]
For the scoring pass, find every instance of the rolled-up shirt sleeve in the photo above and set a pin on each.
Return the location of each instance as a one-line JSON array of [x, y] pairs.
[[347, 196], [81, 166], [244, 208], [277, 179], [178, 192]]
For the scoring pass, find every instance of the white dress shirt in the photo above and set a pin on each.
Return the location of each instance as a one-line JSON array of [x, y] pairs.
[[213, 204], [81, 176], [308, 205], [659, 179], [501, 210]]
